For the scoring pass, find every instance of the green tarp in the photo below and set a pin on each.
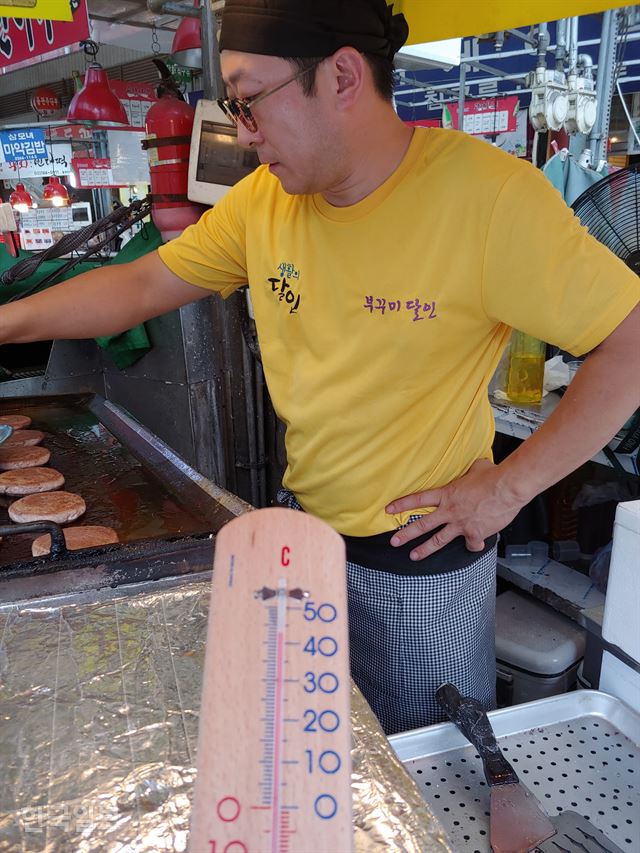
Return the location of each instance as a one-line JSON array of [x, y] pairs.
[[126, 348]]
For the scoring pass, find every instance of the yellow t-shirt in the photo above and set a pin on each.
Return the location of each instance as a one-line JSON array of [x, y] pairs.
[[381, 324]]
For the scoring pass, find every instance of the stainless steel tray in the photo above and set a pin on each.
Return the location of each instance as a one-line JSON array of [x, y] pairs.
[[578, 751]]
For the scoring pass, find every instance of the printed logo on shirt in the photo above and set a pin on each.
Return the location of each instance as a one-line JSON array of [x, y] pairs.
[[421, 310], [284, 286], [288, 270]]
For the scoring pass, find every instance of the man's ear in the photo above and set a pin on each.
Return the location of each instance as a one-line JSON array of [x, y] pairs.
[[348, 66]]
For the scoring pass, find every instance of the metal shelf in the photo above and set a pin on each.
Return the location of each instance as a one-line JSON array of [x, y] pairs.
[[566, 590], [520, 421]]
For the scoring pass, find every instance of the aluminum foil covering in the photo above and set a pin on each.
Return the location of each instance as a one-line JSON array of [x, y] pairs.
[[99, 698]]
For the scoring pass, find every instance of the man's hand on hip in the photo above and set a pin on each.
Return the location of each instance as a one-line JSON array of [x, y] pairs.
[[475, 506]]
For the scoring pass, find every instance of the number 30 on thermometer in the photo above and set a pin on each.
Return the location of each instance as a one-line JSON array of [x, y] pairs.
[[274, 770]]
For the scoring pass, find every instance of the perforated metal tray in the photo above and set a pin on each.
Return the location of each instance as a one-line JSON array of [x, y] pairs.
[[579, 751]]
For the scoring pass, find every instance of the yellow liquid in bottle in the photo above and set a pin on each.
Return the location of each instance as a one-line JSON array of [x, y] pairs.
[[524, 382]]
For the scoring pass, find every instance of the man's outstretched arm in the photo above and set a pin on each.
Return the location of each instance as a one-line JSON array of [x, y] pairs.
[[104, 301]]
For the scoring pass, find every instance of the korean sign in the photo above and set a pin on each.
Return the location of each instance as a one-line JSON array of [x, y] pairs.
[[484, 116], [44, 101], [23, 39], [94, 172], [136, 98], [22, 144], [55, 160], [71, 131]]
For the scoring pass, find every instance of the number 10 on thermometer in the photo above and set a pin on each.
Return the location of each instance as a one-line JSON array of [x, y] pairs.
[[273, 766]]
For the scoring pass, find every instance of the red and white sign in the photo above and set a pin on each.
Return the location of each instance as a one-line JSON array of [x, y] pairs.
[[35, 239], [485, 116], [45, 102], [70, 131], [26, 39], [136, 98], [93, 172]]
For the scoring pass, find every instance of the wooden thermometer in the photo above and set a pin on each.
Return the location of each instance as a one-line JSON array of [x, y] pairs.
[[274, 768]]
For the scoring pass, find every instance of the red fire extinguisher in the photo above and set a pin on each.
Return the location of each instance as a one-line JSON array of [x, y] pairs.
[[167, 140]]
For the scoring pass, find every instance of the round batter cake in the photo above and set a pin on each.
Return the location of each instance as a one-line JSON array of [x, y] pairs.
[[29, 481], [87, 536], [24, 437], [51, 506], [15, 421], [23, 456]]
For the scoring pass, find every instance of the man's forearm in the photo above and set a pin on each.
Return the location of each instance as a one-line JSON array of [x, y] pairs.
[[603, 394], [83, 307], [104, 301]]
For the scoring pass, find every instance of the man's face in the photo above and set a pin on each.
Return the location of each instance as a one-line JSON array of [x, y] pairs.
[[294, 134]]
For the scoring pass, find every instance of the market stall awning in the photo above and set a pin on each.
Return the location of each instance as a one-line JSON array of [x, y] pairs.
[[433, 20]]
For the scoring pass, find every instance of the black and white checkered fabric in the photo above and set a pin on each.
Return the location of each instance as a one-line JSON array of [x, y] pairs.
[[410, 634]]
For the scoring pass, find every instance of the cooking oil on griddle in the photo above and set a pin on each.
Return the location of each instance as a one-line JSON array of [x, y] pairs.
[[118, 490]]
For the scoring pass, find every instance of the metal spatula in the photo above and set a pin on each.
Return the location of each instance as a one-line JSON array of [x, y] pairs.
[[575, 834], [518, 824]]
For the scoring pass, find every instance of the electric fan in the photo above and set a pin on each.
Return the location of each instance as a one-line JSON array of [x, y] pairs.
[[610, 210]]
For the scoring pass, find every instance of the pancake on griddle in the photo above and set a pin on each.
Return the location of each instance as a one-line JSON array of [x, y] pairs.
[[23, 456], [24, 437], [29, 481], [87, 536], [51, 506], [16, 421]]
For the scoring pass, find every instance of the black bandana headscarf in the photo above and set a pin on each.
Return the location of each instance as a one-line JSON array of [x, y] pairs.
[[300, 28]]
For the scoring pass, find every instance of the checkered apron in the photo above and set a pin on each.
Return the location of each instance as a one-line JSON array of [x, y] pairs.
[[410, 634]]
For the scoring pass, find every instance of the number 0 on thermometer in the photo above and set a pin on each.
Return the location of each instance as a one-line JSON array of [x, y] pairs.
[[273, 764]]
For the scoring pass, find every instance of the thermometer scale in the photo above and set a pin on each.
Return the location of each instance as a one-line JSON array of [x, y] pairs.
[[273, 764]]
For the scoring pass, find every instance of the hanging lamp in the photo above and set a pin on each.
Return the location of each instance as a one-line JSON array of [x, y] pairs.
[[20, 199], [186, 48], [96, 101], [56, 192]]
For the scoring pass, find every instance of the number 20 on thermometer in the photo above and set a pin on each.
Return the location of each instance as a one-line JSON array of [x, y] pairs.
[[274, 766]]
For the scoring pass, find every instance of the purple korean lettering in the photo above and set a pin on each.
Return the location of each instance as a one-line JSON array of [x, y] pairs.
[[415, 305]]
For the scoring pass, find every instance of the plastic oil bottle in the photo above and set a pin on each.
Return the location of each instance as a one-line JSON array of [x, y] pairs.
[[525, 373]]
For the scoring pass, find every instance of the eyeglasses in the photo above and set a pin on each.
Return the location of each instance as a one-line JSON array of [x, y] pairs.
[[239, 109]]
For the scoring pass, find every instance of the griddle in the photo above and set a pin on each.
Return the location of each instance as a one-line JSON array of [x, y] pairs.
[[165, 513]]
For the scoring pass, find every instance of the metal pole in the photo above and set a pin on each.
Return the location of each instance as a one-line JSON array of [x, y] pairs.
[[604, 85], [519, 34], [496, 71], [212, 85], [561, 43], [251, 425], [573, 45], [543, 44], [463, 77]]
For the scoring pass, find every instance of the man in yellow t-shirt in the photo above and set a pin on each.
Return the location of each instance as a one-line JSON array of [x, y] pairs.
[[387, 267]]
